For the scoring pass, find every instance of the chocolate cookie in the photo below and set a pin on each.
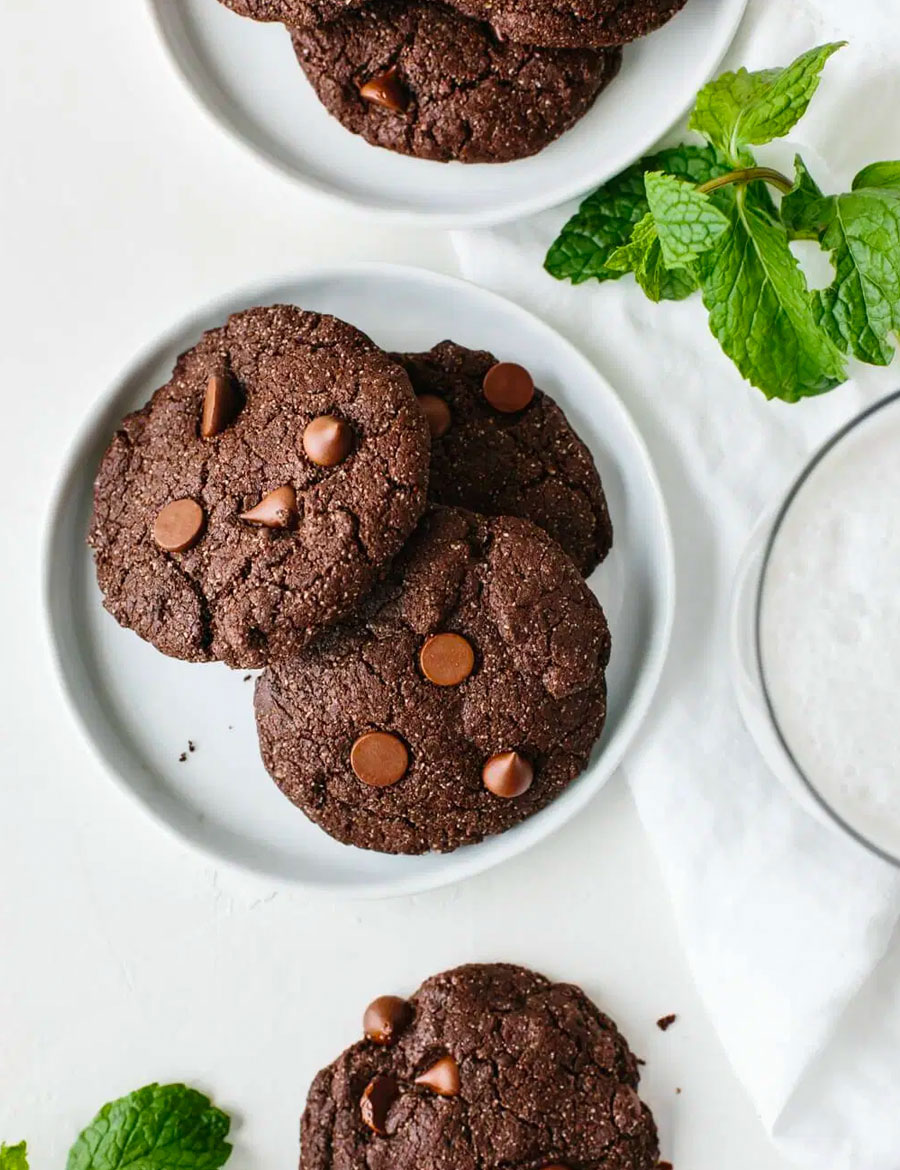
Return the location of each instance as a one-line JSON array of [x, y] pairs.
[[259, 493], [420, 78], [486, 1067], [560, 23], [464, 697], [504, 448]]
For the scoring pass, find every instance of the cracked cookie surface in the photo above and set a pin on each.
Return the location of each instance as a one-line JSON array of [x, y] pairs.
[[529, 463], [543, 1078], [243, 592], [470, 96], [534, 685]]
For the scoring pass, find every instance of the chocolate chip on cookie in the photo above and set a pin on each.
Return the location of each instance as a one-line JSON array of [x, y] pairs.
[[499, 1069], [215, 534], [509, 450], [464, 697], [439, 85]]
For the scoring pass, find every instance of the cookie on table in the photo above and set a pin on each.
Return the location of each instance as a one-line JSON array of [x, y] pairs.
[[257, 496], [466, 695], [487, 1067], [420, 78], [504, 448]]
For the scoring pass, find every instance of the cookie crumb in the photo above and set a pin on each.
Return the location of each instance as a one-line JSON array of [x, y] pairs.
[[247, 677], [678, 1091], [666, 1022], [182, 759], [665, 1166]]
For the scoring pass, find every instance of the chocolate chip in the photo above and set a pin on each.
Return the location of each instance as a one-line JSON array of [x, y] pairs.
[[179, 525], [437, 412], [442, 1078], [379, 759], [627, 1110], [378, 1097], [386, 90], [507, 774], [508, 387], [327, 440], [278, 509], [221, 405], [386, 1017], [447, 659]]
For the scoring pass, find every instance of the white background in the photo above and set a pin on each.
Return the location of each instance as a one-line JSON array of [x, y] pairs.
[[124, 958]]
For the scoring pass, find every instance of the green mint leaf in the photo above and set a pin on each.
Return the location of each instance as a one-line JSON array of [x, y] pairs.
[[14, 1157], [747, 109], [861, 231], [643, 256], [802, 209], [760, 309], [880, 174], [605, 220], [160, 1127], [687, 221]]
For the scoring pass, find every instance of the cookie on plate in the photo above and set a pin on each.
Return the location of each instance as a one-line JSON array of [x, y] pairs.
[[504, 448], [258, 495], [560, 23], [487, 1067], [422, 79], [466, 695]]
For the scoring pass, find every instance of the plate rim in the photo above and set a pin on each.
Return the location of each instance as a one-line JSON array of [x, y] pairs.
[[472, 861], [521, 208]]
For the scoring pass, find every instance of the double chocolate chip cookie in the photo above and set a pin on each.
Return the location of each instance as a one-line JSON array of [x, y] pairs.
[[486, 1067], [422, 79], [464, 697], [560, 23], [259, 494], [502, 447]]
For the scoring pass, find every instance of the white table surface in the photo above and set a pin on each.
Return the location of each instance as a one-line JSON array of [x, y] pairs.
[[124, 958]]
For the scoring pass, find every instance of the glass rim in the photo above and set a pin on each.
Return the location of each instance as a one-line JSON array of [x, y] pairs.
[[784, 508]]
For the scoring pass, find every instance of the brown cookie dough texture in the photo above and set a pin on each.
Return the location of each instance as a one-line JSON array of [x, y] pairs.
[[560, 23], [463, 93], [270, 546], [537, 689], [495, 1068], [527, 463]]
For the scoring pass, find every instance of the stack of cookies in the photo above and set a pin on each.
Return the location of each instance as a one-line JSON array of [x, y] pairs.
[[471, 80], [399, 540]]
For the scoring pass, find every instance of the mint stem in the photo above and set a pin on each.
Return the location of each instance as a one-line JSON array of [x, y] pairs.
[[749, 175]]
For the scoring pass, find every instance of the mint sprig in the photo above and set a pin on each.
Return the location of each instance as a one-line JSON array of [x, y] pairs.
[[702, 217], [159, 1127], [14, 1157]]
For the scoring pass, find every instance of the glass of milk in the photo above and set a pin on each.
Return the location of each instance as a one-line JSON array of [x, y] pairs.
[[816, 632]]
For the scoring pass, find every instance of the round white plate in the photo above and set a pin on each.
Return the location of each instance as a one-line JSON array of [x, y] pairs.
[[246, 75], [140, 709]]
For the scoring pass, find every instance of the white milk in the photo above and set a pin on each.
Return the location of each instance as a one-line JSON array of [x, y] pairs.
[[830, 632]]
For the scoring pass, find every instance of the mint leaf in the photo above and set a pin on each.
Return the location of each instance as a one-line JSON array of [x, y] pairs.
[[605, 220], [14, 1157], [160, 1127], [687, 221], [747, 109], [802, 208], [880, 174], [643, 256], [760, 309]]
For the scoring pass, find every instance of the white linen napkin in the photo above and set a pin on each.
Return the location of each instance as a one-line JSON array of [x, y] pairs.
[[791, 931]]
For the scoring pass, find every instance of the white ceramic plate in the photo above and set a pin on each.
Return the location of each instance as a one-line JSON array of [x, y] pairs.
[[247, 77], [140, 709]]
